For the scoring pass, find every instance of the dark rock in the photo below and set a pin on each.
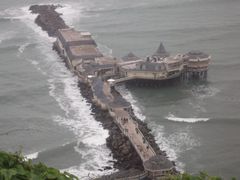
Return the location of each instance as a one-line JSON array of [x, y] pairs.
[[48, 19], [107, 168], [174, 163], [121, 148]]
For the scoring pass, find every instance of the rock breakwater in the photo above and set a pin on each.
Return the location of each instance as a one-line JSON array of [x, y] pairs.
[[122, 150], [48, 19], [117, 142]]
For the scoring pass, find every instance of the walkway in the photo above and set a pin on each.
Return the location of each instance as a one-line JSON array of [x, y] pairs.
[[121, 80], [131, 130], [128, 126]]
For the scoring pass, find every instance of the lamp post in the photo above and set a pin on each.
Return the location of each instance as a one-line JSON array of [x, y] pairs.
[[111, 81], [89, 78]]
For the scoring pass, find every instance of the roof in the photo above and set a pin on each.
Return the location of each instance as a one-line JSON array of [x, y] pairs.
[[97, 86], [161, 51], [84, 51], [150, 66], [71, 34], [91, 68], [117, 102], [170, 60], [105, 60], [197, 54], [158, 162], [130, 57], [130, 64]]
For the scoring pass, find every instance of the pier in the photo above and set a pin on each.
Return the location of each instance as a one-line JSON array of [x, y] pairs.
[[97, 71], [102, 73]]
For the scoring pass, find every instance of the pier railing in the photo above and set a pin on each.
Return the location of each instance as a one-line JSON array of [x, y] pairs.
[[137, 139]]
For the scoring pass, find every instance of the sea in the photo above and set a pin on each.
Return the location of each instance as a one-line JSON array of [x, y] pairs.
[[43, 115]]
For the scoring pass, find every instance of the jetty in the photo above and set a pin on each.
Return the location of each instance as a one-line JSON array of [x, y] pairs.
[[93, 68], [101, 74]]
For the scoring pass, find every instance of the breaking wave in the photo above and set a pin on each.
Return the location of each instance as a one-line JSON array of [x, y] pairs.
[[175, 143], [63, 87], [71, 14], [23, 47], [32, 156], [166, 143], [135, 105], [6, 36], [172, 117], [24, 15], [105, 50], [204, 91]]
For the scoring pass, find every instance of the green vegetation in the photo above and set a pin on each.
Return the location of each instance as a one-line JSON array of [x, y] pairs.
[[16, 167], [200, 176]]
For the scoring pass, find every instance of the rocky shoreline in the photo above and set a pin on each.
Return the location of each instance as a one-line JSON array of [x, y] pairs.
[[128, 161], [122, 150], [48, 18]]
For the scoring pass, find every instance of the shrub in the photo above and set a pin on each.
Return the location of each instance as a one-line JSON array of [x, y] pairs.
[[16, 167], [200, 176]]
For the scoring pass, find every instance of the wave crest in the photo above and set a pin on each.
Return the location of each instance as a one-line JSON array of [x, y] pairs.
[[172, 117]]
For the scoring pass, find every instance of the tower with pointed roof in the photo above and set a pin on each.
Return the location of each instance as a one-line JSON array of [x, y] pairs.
[[161, 51], [130, 57]]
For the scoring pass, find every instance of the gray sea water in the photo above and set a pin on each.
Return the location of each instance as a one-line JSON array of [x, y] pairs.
[[43, 114]]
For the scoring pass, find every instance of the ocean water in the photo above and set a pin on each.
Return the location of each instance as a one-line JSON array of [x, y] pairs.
[[43, 114]]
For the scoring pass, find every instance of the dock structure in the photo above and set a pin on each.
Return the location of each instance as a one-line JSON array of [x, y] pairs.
[[162, 67], [103, 73]]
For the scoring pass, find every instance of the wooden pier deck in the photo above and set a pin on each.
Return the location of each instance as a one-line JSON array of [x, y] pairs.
[[116, 105], [131, 130]]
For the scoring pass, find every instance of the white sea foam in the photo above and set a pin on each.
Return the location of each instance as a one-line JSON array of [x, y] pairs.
[[172, 117], [79, 120], [32, 156], [23, 47], [6, 36], [175, 143], [36, 65], [129, 96], [106, 50], [204, 91], [198, 106], [71, 13], [77, 110], [7, 12], [92, 164], [63, 87], [23, 14], [29, 19]]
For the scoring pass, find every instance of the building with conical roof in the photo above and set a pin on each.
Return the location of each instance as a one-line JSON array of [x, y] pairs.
[[161, 66], [161, 51], [197, 64], [130, 57]]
